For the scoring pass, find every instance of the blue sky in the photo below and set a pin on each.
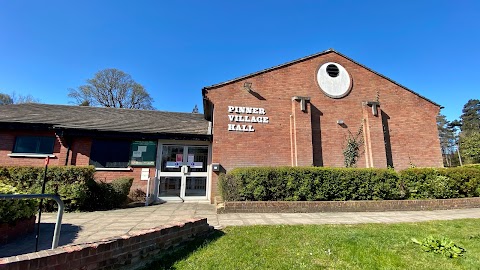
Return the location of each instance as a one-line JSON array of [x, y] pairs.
[[174, 48]]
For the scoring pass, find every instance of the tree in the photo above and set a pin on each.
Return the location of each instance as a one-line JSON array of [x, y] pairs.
[[470, 135], [195, 109], [470, 147], [112, 88], [5, 99], [448, 138], [471, 116], [13, 98]]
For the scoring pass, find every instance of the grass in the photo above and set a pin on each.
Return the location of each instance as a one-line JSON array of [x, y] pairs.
[[366, 246]]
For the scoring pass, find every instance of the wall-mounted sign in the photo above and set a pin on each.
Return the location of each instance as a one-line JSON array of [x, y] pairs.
[[145, 174], [143, 153], [243, 123]]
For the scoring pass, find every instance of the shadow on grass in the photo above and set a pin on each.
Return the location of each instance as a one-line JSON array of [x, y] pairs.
[[169, 258]]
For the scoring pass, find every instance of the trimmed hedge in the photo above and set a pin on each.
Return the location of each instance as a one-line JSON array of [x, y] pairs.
[[341, 184], [12, 210], [69, 182], [309, 184], [476, 166], [76, 186], [441, 183]]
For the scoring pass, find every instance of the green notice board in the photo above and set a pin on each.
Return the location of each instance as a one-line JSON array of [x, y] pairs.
[[143, 153]]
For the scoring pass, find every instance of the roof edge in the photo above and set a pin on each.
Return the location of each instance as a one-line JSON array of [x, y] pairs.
[[267, 69], [206, 88]]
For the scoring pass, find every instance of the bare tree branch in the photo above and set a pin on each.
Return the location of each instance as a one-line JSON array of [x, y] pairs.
[[112, 88]]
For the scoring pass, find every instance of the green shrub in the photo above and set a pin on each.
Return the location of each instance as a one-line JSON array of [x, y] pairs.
[[475, 166], [341, 184], [121, 188], [12, 210], [441, 183], [310, 184], [106, 196], [69, 182], [228, 187]]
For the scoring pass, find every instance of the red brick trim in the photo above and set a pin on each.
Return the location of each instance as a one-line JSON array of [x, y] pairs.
[[347, 206], [8, 232], [127, 251]]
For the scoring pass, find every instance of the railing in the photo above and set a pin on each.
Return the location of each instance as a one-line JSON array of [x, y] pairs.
[[61, 207]]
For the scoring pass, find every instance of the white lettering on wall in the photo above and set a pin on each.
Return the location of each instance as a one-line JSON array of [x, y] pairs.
[[238, 118]]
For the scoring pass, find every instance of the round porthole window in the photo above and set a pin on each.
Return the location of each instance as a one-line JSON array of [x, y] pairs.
[[334, 80]]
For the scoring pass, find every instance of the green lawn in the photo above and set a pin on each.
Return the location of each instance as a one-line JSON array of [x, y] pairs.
[[368, 246]]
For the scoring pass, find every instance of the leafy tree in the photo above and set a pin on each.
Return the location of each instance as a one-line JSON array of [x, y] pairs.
[[5, 99], [112, 88], [14, 98], [470, 135], [447, 135], [471, 116], [470, 147]]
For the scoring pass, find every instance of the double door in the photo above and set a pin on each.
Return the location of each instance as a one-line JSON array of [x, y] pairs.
[[183, 172]]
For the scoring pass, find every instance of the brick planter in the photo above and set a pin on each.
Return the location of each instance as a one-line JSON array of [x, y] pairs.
[[346, 206], [8, 232]]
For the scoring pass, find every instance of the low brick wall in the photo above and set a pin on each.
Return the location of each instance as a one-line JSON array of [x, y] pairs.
[[8, 232], [127, 251], [346, 206]]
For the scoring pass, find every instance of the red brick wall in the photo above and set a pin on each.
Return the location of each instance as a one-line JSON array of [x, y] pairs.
[[21, 227], [79, 155], [7, 142], [411, 119], [128, 251], [348, 206]]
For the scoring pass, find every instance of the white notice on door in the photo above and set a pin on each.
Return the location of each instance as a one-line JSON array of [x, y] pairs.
[[191, 158], [172, 164], [195, 165], [136, 154]]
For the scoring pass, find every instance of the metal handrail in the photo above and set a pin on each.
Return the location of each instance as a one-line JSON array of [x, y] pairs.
[[61, 207]]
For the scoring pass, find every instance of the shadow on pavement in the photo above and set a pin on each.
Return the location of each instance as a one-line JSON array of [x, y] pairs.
[[169, 258], [26, 244]]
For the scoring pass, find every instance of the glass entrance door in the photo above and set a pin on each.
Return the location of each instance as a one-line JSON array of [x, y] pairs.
[[183, 172]]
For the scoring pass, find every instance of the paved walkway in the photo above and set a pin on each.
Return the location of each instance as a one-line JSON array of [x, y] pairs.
[[92, 226]]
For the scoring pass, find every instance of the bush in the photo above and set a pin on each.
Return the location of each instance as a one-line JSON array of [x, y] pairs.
[[137, 195], [341, 184], [475, 166], [309, 184], [69, 182], [121, 188], [441, 183], [106, 196], [228, 187], [12, 210]]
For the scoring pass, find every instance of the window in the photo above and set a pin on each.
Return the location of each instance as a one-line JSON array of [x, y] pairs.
[[34, 145], [110, 153]]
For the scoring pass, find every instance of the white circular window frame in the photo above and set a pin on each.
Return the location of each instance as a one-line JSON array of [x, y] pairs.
[[334, 87]]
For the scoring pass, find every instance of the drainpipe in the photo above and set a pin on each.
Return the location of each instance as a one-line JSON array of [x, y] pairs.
[[69, 142]]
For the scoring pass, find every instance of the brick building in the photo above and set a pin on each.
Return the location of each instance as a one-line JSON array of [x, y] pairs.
[[295, 114]]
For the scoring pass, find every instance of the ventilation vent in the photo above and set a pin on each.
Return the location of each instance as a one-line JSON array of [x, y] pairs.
[[332, 70], [334, 80]]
